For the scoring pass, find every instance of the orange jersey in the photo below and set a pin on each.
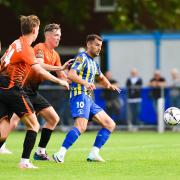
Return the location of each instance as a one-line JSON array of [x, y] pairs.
[[17, 62], [50, 57]]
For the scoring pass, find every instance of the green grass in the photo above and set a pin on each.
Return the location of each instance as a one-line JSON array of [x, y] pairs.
[[143, 155]]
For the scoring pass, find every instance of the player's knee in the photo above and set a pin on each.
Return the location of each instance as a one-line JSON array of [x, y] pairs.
[[13, 125], [82, 129], [36, 126], [53, 122], [113, 126], [31, 122], [33, 126], [110, 125], [56, 120]]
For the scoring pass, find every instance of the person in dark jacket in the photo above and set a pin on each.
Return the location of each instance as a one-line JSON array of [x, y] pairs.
[[157, 83], [134, 84], [112, 100]]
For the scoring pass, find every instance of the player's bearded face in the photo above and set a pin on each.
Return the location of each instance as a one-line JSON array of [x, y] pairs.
[[96, 47]]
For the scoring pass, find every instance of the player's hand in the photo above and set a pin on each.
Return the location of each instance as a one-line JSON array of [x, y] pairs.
[[115, 88], [64, 83], [69, 81], [90, 86], [67, 64]]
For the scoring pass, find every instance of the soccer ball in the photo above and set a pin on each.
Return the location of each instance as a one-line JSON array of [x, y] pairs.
[[172, 116]]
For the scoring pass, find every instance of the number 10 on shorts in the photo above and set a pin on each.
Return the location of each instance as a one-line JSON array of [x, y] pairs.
[[80, 104]]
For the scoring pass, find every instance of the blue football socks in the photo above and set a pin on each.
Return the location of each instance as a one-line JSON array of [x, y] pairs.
[[71, 137], [102, 137]]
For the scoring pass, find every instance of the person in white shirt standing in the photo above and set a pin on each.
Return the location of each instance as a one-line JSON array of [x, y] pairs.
[[175, 88]]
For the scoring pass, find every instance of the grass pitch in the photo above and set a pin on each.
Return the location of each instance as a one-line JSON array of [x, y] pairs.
[[142, 155]]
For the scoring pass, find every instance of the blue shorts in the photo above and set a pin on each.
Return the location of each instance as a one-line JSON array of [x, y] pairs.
[[83, 106]]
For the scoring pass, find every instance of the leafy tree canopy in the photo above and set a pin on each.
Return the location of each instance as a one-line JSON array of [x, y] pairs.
[[133, 15]]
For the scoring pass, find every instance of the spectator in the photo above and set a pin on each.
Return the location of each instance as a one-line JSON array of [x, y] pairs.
[[175, 88], [134, 84], [112, 101], [157, 83]]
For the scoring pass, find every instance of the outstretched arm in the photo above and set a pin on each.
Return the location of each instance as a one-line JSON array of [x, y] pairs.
[[46, 75], [105, 82], [54, 68]]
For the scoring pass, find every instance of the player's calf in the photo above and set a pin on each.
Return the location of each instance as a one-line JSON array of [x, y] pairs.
[[70, 139], [50, 116], [31, 122]]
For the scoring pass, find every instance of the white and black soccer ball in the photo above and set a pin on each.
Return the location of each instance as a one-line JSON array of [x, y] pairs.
[[172, 116]]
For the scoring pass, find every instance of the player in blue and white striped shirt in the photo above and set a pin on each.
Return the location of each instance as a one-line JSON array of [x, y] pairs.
[[83, 108], [86, 69]]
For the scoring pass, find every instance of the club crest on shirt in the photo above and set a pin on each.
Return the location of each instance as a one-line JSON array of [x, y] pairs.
[[39, 53], [79, 59]]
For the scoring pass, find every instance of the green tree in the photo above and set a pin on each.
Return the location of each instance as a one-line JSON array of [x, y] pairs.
[[72, 12], [131, 15], [4, 2]]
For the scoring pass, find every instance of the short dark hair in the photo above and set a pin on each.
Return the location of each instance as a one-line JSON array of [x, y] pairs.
[[92, 37], [28, 23], [51, 27]]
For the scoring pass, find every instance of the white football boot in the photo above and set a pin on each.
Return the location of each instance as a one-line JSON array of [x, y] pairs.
[[4, 150], [94, 156], [60, 155], [27, 165]]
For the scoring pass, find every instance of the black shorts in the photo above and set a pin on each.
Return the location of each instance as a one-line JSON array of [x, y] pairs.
[[14, 100], [38, 101]]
